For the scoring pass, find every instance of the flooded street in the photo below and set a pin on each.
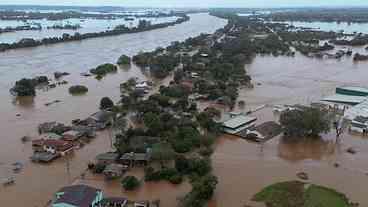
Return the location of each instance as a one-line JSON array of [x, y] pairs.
[[36, 183], [243, 168]]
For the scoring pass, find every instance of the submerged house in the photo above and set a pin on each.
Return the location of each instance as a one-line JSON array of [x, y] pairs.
[[72, 135], [132, 159], [359, 124], [237, 124], [59, 147], [100, 119], [107, 158], [114, 171], [77, 196]]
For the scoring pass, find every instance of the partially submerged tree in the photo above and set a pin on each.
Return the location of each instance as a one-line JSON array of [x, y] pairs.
[[78, 89], [124, 60], [106, 103], [305, 122], [130, 183], [162, 152]]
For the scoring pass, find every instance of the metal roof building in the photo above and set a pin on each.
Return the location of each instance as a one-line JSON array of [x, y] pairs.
[[352, 91], [238, 123], [345, 99]]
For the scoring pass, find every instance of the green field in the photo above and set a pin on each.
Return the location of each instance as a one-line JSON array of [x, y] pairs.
[[299, 194]]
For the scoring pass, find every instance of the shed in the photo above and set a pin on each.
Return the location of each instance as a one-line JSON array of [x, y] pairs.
[[43, 157], [107, 158]]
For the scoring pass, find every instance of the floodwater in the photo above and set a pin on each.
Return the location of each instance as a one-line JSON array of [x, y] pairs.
[[243, 168], [333, 26], [36, 183], [87, 26]]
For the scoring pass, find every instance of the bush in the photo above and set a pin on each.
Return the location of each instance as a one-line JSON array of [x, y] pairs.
[[99, 168], [124, 60], [182, 164], [104, 69], [206, 151], [130, 183], [106, 103], [169, 174], [78, 89], [176, 179]]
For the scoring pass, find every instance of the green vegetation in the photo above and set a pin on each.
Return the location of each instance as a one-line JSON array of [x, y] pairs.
[[106, 103], [305, 122], [104, 69], [78, 90], [299, 194], [202, 190], [130, 183], [27, 87], [124, 60], [169, 174]]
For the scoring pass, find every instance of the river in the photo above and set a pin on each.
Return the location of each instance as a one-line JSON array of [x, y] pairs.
[[243, 168], [36, 184], [87, 26]]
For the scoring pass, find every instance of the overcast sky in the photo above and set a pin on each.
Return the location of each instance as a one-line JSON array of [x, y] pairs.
[[194, 3]]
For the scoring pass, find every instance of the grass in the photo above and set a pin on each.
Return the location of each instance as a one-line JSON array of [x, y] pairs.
[[299, 194], [324, 197]]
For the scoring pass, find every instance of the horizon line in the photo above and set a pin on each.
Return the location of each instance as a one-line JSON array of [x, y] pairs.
[[190, 7]]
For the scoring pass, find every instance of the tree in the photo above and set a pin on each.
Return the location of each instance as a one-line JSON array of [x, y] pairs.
[[106, 103], [306, 122], [78, 89], [24, 87], [205, 187], [182, 164], [124, 60], [153, 123], [202, 191], [130, 183], [162, 152]]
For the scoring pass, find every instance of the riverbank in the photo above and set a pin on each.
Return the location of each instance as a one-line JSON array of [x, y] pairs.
[[42, 181], [243, 168], [143, 26]]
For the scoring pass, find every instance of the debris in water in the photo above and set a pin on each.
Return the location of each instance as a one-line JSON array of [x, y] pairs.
[[302, 175]]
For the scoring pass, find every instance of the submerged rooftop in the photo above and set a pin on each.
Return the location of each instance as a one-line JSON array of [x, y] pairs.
[[238, 121]]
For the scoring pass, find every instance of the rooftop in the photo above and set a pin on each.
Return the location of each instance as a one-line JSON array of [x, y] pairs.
[[347, 99], [352, 90], [77, 195], [238, 121], [357, 110], [107, 156]]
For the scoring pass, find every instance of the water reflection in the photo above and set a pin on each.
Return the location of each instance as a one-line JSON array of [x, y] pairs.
[[24, 102], [314, 149]]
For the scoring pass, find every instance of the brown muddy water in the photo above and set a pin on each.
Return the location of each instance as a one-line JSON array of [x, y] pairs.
[[243, 168], [36, 183]]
